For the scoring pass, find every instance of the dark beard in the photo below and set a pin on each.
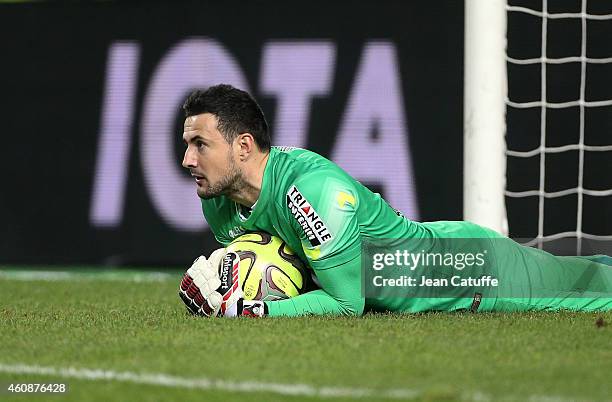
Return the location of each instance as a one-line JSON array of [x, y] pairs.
[[230, 184]]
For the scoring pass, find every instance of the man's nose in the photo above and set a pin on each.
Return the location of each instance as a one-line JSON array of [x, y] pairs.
[[189, 159]]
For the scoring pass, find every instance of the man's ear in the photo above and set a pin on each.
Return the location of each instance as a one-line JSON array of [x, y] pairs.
[[246, 145]]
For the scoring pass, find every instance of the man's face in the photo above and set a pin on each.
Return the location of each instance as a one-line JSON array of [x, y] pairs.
[[209, 157]]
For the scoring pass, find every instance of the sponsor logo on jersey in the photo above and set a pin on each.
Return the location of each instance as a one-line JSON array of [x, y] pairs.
[[236, 231], [286, 149], [307, 217]]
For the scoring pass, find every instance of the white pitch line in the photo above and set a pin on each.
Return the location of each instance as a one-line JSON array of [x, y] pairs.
[[54, 276], [208, 383], [204, 383]]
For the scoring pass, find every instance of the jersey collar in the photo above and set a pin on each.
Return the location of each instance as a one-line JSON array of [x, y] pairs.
[[266, 186]]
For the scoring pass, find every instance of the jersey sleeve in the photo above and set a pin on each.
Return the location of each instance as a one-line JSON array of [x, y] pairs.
[[340, 294], [322, 213]]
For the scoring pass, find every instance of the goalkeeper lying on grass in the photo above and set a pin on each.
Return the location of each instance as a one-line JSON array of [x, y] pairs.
[[323, 214]]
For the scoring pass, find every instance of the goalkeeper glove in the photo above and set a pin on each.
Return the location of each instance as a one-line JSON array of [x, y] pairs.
[[211, 287]]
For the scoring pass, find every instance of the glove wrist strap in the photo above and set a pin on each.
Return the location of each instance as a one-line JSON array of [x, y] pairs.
[[252, 308]]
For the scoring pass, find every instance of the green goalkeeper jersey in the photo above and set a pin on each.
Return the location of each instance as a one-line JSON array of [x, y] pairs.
[[324, 214]]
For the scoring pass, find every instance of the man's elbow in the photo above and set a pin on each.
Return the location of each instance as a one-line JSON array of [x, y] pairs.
[[353, 308]]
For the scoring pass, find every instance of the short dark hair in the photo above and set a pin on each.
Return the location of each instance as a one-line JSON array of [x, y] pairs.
[[236, 111]]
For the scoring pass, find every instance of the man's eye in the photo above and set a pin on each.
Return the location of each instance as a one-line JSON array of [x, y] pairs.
[[200, 144]]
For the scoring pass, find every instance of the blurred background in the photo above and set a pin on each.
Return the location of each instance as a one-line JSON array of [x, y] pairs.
[[91, 96]]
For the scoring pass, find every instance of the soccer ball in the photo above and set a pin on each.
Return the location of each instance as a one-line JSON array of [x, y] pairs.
[[268, 268]]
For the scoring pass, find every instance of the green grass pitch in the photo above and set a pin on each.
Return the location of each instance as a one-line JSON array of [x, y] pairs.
[[135, 327]]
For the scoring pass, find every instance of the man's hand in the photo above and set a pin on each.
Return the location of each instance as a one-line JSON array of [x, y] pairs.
[[198, 289], [211, 288]]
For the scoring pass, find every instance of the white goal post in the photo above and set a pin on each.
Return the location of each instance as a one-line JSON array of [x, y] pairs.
[[486, 101], [484, 115]]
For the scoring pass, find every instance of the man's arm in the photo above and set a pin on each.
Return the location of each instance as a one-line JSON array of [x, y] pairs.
[[332, 247], [340, 294]]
